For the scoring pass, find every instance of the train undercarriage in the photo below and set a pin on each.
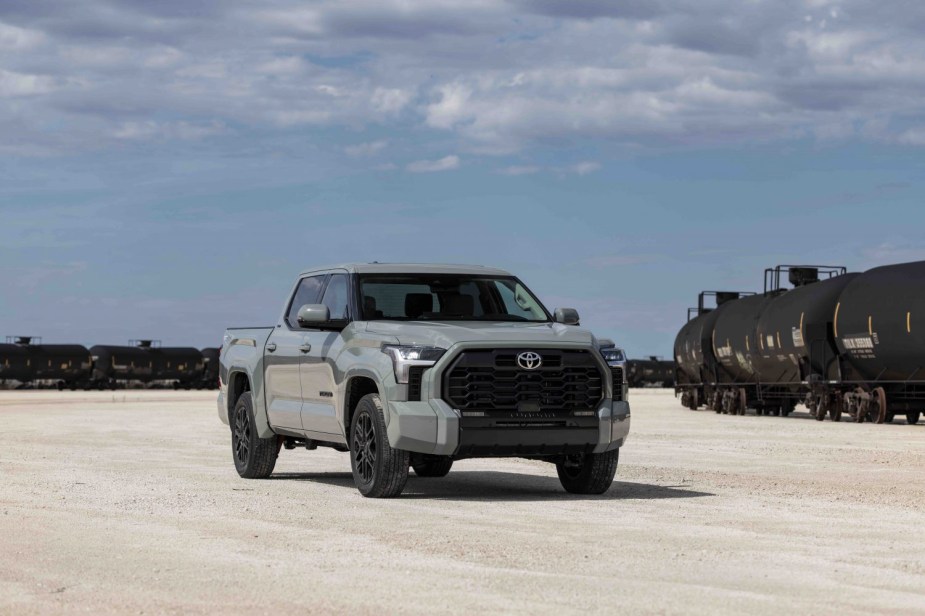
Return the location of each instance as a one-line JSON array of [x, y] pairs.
[[858, 402]]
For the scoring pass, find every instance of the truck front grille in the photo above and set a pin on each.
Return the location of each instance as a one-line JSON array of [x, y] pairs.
[[492, 381]]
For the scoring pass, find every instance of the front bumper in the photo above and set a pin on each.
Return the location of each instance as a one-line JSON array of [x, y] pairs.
[[433, 427]]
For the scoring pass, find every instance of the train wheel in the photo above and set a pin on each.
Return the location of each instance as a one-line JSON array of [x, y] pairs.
[[837, 409], [822, 408], [912, 417], [786, 408], [889, 417], [878, 411]]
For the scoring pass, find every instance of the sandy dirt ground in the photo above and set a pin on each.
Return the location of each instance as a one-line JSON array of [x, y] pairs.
[[128, 502]]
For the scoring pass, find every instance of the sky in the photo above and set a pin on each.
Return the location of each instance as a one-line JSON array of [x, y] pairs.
[[167, 169]]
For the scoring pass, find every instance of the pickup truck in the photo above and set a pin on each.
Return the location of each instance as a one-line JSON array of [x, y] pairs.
[[417, 366]]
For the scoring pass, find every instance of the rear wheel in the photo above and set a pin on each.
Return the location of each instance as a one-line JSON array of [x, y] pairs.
[[590, 473], [379, 471], [912, 417], [433, 466], [254, 457]]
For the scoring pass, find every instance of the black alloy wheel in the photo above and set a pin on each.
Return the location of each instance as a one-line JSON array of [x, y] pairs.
[[241, 436], [364, 447]]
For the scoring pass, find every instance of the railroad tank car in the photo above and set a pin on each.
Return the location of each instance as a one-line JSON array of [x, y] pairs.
[[15, 363], [796, 347], [113, 364], [210, 360], [697, 370], [879, 329], [734, 339], [651, 371], [183, 365], [67, 365]]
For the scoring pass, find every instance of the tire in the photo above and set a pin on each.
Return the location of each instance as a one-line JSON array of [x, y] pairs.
[[591, 473], [912, 417], [378, 470], [433, 466], [254, 457]]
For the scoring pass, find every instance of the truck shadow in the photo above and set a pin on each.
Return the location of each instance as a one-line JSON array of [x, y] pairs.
[[502, 486]]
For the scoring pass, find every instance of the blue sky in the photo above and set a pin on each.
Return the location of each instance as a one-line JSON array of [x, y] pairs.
[[166, 170]]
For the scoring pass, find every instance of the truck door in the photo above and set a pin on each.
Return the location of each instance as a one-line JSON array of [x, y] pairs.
[[282, 355], [317, 367]]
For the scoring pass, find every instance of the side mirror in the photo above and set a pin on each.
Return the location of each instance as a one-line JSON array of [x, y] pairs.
[[566, 316], [313, 315]]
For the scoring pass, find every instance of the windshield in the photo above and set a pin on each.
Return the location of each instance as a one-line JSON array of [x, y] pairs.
[[448, 297]]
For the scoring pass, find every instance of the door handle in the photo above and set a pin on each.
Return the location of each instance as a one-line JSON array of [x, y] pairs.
[[305, 348], [271, 347]]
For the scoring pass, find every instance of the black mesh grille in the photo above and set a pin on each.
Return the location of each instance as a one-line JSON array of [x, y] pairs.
[[491, 380], [415, 376], [617, 375]]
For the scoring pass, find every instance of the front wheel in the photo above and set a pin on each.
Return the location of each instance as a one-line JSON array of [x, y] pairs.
[[379, 471], [254, 457], [590, 473], [432, 466]]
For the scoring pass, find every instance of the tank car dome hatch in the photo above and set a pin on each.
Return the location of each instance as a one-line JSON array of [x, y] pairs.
[[24, 340], [799, 275]]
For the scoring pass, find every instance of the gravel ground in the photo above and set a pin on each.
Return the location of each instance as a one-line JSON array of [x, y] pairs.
[[128, 502]]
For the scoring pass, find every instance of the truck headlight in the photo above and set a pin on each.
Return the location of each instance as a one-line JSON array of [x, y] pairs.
[[613, 357], [406, 356]]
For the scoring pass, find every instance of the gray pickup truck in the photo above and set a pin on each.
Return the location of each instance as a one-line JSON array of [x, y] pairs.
[[420, 365]]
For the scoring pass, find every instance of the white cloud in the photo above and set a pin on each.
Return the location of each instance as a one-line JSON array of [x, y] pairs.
[[19, 84], [519, 170], [390, 100], [913, 136], [14, 38], [426, 166], [366, 149], [585, 167], [483, 75], [130, 131], [452, 106]]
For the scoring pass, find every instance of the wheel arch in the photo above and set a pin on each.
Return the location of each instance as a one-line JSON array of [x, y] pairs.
[[358, 385], [238, 384]]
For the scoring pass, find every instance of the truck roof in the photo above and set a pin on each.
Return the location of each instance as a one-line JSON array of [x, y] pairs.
[[411, 268]]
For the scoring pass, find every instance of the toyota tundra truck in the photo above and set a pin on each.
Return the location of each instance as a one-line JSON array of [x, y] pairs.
[[417, 366]]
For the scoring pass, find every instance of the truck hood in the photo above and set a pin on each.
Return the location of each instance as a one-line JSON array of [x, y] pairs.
[[445, 334]]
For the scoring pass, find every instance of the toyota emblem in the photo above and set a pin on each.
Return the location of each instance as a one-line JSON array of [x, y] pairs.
[[529, 360]]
